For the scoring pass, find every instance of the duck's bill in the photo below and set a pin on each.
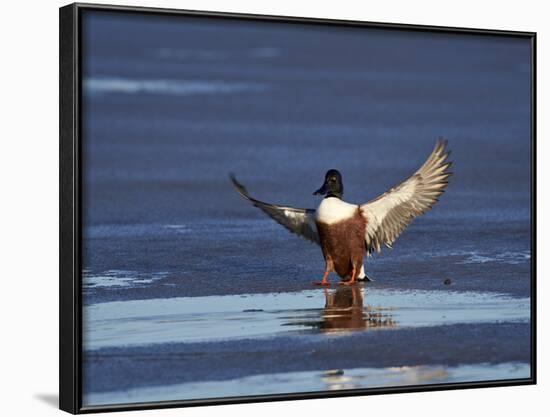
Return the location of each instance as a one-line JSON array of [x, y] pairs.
[[322, 191]]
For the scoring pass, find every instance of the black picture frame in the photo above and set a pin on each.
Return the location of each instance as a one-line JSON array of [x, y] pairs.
[[70, 209]]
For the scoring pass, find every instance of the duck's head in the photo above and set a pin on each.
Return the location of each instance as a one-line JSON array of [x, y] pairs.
[[333, 186]]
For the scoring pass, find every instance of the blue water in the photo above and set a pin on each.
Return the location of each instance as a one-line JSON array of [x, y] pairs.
[[172, 105]]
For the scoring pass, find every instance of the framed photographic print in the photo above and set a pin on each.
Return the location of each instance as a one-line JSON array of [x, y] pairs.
[[259, 208]]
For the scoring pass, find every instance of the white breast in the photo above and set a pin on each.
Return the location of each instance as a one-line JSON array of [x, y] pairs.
[[333, 210]]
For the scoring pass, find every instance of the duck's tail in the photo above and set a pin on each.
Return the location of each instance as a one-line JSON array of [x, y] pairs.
[[363, 276]]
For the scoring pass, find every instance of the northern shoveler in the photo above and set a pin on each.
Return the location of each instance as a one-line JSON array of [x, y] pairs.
[[346, 232]]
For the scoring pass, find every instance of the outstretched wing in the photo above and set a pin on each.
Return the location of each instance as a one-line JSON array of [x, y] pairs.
[[296, 220], [389, 214]]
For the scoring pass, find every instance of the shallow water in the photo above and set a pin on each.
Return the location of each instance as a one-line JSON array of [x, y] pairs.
[[334, 379], [319, 339], [331, 312]]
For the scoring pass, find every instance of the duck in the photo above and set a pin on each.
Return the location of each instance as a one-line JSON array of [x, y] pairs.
[[346, 232]]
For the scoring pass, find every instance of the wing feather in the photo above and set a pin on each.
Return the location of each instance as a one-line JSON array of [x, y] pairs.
[[296, 220], [390, 213]]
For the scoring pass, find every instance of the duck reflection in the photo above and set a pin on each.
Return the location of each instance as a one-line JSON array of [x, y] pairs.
[[344, 311]]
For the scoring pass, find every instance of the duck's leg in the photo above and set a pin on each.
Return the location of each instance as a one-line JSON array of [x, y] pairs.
[[353, 279], [328, 267]]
